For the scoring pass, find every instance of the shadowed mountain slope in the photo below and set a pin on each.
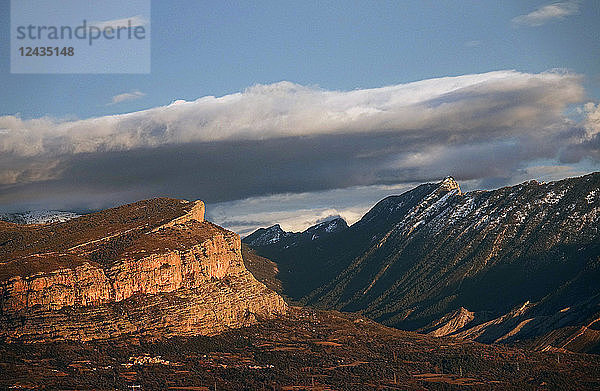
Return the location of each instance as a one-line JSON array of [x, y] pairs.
[[520, 263]]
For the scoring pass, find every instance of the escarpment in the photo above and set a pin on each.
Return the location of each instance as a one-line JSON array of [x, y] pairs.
[[153, 267]]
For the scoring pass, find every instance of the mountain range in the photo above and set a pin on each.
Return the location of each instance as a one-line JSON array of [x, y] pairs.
[[150, 295], [517, 265]]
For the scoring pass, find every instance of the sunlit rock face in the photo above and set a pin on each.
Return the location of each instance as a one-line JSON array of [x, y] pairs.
[[153, 267]]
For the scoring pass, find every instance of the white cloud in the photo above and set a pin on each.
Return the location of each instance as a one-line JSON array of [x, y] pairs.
[[126, 96], [547, 13], [592, 123], [505, 101], [473, 44], [134, 21]]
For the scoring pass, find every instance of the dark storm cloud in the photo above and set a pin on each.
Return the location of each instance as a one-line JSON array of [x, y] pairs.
[[285, 138], [227, 170]]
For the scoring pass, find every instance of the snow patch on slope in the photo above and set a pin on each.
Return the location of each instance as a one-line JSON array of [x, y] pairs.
[[38, 217]]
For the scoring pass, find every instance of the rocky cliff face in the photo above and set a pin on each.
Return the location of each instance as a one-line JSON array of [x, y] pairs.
[[520, 263], [153, 267]]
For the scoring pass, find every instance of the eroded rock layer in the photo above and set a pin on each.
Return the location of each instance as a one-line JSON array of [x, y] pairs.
[[154, 267]]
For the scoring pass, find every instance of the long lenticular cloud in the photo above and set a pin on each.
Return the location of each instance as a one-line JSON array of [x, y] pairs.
[[285, 137], [506, 100]]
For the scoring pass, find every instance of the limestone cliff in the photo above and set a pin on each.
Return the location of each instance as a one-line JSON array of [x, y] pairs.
[[153, 267]]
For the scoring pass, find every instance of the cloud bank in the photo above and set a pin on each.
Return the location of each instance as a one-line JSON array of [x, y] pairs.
[[288, 138]]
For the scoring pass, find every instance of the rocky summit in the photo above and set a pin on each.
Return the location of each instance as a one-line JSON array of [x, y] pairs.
[[151, 268], [519, 264]]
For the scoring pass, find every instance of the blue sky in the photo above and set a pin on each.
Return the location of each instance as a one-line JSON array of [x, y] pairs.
[[295, 111], [214, 48]]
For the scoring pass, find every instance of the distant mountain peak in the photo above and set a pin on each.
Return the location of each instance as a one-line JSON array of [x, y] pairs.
[[266, 236], [329, 225], [326, 227], [274, 235]]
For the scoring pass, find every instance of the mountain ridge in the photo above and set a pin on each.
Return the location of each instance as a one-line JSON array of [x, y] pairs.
[[275, 234], [420, 256]]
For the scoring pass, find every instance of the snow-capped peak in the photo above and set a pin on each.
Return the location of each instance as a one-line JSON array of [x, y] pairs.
[[266, 236]]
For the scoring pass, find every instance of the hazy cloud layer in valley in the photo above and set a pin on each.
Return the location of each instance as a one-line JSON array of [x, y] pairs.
[[285, 138], [297, 211]]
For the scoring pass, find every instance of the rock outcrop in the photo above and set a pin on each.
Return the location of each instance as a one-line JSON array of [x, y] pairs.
[[153, 268], [450, 323]]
